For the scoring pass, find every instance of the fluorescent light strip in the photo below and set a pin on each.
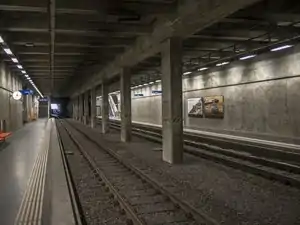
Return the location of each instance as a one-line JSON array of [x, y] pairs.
[[26, 75], [20, 67], [281, 48], [202, 69], [222, 64], [23, 71], [15, 60], [1, 40], [8, 51], [247, 57], [157, 81], [187, 73]]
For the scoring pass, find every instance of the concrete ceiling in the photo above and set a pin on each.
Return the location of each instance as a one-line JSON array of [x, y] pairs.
[[65, 43]]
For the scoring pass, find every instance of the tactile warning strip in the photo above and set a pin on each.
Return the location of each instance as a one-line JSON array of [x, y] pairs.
[[30, 211]]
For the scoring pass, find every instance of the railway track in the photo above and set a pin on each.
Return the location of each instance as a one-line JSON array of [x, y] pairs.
[[275, 164], [141, 199]]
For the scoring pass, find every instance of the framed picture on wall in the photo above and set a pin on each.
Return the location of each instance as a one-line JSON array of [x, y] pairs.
[[214, 106], [195, 107]]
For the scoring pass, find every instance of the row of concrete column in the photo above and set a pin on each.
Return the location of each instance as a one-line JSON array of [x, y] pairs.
[[171, 52]]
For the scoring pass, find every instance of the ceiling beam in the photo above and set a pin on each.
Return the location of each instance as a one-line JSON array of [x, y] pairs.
[[34, 24], [125, 8], [203, 13], [19, 8], [85, 33], [52, 27], [231, 39]]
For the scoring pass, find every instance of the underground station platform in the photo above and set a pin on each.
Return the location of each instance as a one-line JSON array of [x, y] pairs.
[[60, 171], [149, 112]]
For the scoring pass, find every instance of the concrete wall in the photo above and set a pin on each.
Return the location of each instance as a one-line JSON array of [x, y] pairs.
[[10, 109], [261, 97]]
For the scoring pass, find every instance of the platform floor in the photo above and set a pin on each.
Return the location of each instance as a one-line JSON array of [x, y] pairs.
[[226, 194], [23, 166], [17, 158]]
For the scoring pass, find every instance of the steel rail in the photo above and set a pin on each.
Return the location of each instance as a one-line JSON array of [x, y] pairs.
[[190, 211], [125, 205]]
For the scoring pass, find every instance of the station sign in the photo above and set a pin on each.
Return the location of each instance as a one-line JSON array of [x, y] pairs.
[[138, 95], [45, 99], [26, 92], [156, 92]]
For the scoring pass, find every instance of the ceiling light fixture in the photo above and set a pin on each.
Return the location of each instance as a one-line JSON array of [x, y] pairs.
[[157, 81], [151, 83], [20, 67], [15, 60], [23, 71], [26, 75], [281, 48], [187, 73], [1, 40], [222, 64], [8, 51], [202, 69], [247, 57]]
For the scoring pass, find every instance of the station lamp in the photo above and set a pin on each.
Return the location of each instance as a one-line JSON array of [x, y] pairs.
[[8, 51], [281, 48], [187, 73], [15, 60], [202, 69], [222, 64], [247, 57]]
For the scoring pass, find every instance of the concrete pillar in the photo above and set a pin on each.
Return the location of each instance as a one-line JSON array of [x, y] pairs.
[[80, 111], [77, 108], [125, 105], [171, 66], [105, 109], [86, 107], [93, 107], [74, 108]]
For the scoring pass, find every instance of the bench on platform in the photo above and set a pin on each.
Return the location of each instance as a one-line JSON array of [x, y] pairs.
[[4, 135]]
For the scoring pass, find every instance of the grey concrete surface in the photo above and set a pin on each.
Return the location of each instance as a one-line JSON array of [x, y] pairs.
[[93, 108], [172, 130], [125, 105], [61, 206], [10, 109], [105, 109], [178, 24], [16, 163], [261, 97], [85, 107]]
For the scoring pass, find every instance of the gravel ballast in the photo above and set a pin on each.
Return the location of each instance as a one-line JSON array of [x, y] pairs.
[[228, 195], [98, 208]]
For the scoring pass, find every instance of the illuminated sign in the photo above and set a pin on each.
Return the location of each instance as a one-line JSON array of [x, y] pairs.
[[138, 95], [17, 95], [43, 99], [156, 92], [26, 92]]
